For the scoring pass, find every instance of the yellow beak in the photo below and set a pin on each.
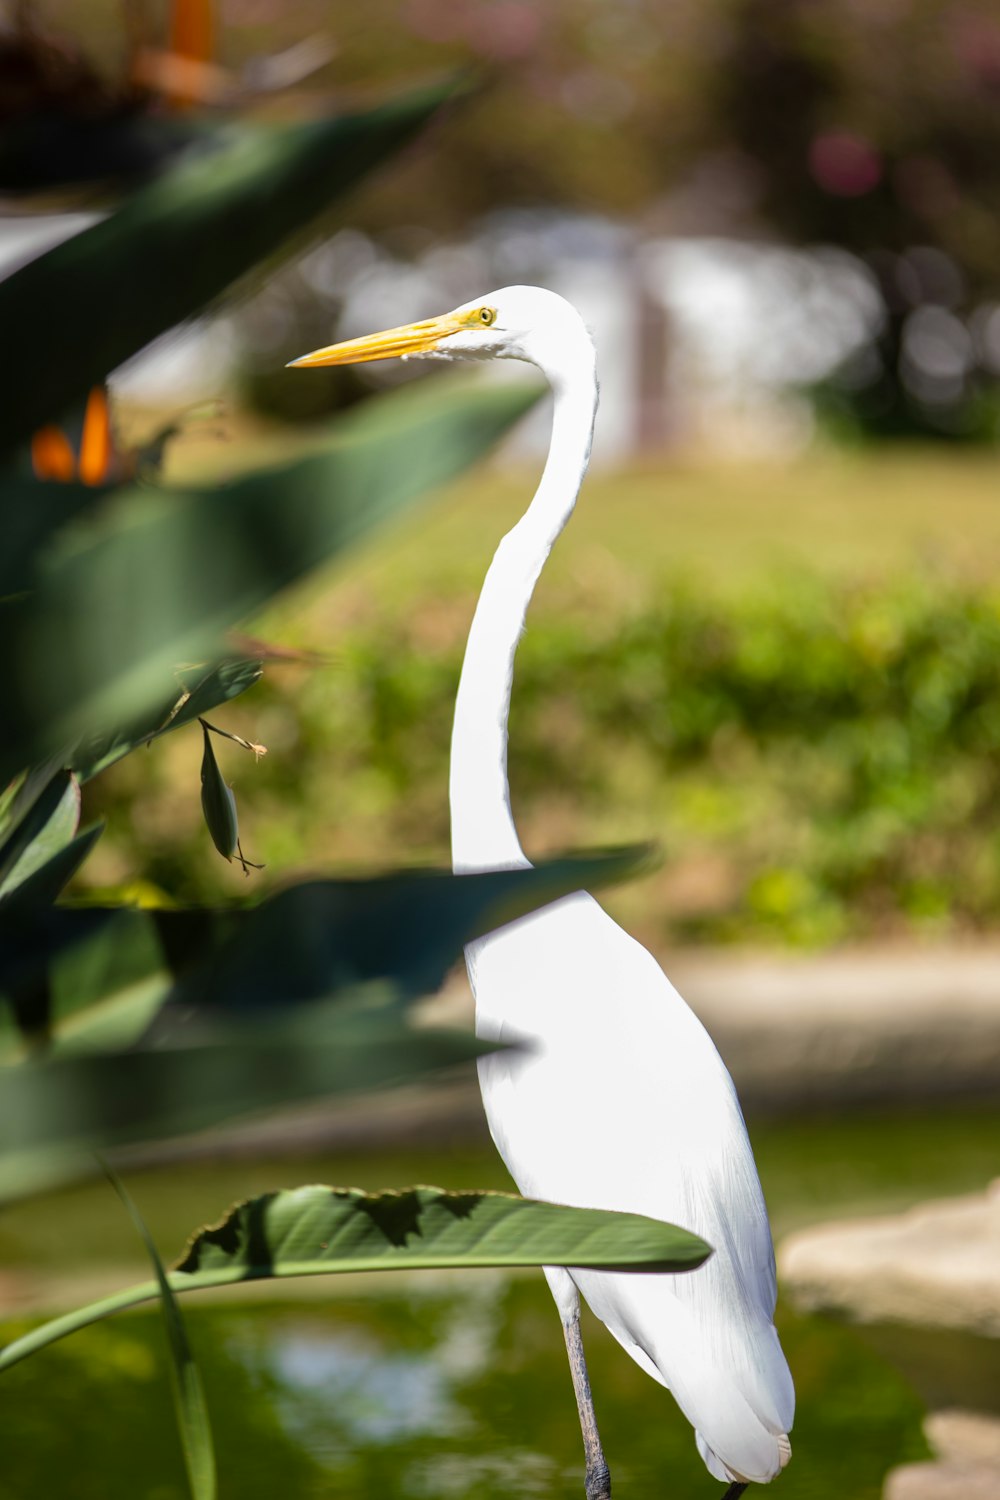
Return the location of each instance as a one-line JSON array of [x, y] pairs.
[[394, 343]]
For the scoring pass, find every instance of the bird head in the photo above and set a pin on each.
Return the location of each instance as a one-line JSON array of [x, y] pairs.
[[516, 322]]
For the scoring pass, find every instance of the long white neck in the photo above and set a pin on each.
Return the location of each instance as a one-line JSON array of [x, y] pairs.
[[483, 835]]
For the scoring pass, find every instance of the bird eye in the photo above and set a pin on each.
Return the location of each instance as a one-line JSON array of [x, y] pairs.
[[487, 315]]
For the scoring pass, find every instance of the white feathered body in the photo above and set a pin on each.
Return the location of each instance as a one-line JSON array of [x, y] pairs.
[[619, 1100], [647, 1120]]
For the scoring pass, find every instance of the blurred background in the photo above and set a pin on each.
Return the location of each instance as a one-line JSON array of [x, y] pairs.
[[770, 638]]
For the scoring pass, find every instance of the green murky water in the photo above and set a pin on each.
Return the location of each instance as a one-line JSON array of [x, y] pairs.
[[449, 1385]]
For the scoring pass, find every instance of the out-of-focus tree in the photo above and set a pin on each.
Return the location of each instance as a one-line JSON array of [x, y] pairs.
[[592, 105], [877, 128], [872, 127], [869, 125]]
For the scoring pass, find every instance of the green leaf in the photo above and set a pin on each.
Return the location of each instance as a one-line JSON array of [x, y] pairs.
[[76, 313], [406, 928], [33, 932], [44, 826], [191, 694], [218, 802], [85, 959], [46, 881], [182, 567], [33, 937], [33, 513], [235, 1035], [314, 1230], [37, 859], [49, 149], [188, 1392], [53, 1113], [313, 941]]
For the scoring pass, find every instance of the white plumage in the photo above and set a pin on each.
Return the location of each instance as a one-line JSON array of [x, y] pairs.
[[622, 1102], [617, 1097]]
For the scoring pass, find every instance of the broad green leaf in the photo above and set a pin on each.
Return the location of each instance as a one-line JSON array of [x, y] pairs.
[[223, 681], [182, 567], [314, 1230], [37, 859], [49, 149], [218, 802], [192, 693], [30, 936], [407, 929], [234, 1035], [79, 311], [23, 791], [44, 883], [314, 941], [104, 967], [122, 1015], [48, 823], [33, 513], [188, 1392], [53, 1111]]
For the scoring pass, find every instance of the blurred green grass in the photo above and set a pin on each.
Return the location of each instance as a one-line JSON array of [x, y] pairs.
[[841, 511], [789, 674]]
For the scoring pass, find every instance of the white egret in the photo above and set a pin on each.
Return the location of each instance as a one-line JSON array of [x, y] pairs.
[[618, 1098]]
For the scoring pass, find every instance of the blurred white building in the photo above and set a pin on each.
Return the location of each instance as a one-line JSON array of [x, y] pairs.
[[700, 341]]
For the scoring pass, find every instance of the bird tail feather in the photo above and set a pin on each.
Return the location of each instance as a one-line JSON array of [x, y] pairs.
[[721, 1470]]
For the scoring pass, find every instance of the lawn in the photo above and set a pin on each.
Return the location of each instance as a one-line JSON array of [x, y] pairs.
[[841, 511]]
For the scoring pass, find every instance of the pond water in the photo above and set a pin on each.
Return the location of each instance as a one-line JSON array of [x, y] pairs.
[[448, 1385]]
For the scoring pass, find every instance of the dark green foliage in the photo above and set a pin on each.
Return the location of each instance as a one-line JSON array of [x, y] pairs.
[[300, 998], [110, 593], [40, 819], [833, 748], [155, 578], [53, 1114], [175, 246], [33, 513], [105, 590], [405, 929], [40, 852], [193, 693]]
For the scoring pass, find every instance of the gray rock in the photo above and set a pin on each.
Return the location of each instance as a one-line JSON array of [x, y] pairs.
[[880, 1026], [968, 1466], [967, 1437], [946, 1481], [798, 1034], [804, 1033], [937, 1266]]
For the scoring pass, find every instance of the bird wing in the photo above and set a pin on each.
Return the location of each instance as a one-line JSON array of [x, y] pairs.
[[618, 1099]]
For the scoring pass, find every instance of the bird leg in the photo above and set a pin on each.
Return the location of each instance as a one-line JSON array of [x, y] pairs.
[[598, 1475], [735, 1491]]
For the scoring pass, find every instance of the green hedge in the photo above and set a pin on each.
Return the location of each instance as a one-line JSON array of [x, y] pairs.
[[820, 760]]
